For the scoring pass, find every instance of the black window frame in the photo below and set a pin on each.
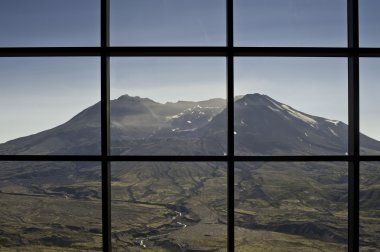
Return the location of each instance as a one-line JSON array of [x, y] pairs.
[[352, 52]]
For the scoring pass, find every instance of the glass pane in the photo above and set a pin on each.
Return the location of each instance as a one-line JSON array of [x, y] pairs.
[[290, 23], [25, 23], [291, 206], [369, 106], [47, 106], [50, 206], [169, 206], [168, 106], [369, 206], [285, 106], [369, 22], [168, 23]]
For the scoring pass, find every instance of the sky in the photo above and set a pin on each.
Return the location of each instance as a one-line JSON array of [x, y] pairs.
[[168, 22], [290, 23], [369, 96], [49, 23], [196, 78], [40, 93]]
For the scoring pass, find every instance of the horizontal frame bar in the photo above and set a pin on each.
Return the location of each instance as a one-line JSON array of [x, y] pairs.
[[188, 51], [337, 158], [50, 52]]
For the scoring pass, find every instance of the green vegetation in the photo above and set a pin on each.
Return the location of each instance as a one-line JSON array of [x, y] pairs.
[[49, 223], [172, 206], [182, 207]]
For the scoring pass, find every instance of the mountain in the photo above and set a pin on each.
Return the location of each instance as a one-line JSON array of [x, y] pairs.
[[132, 119], [263, 126], [181, 206]]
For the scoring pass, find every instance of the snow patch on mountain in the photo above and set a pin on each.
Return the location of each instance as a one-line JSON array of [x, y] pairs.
[[276, 105], [299, 115], [335, 122], [273, 109], [333, 132], [292, 112], [175, 116]]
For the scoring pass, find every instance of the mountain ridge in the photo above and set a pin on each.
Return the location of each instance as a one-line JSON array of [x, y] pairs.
[[263, 126]]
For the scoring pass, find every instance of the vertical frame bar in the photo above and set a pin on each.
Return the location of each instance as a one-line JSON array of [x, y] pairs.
[[353, 126], [354, 149], [230, 128], [105, 124]]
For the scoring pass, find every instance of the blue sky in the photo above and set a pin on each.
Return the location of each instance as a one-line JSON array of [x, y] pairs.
[[168, 22], [49, 23], [290, 23], [184, 22], [195, 79], [41, 93], [369, 96], [53, 90]]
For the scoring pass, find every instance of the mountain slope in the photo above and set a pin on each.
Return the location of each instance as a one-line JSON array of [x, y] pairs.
[[263, 126], [266, 126], [132, 119]]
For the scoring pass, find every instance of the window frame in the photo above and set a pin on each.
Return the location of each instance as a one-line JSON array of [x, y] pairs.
[[352, 52]]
